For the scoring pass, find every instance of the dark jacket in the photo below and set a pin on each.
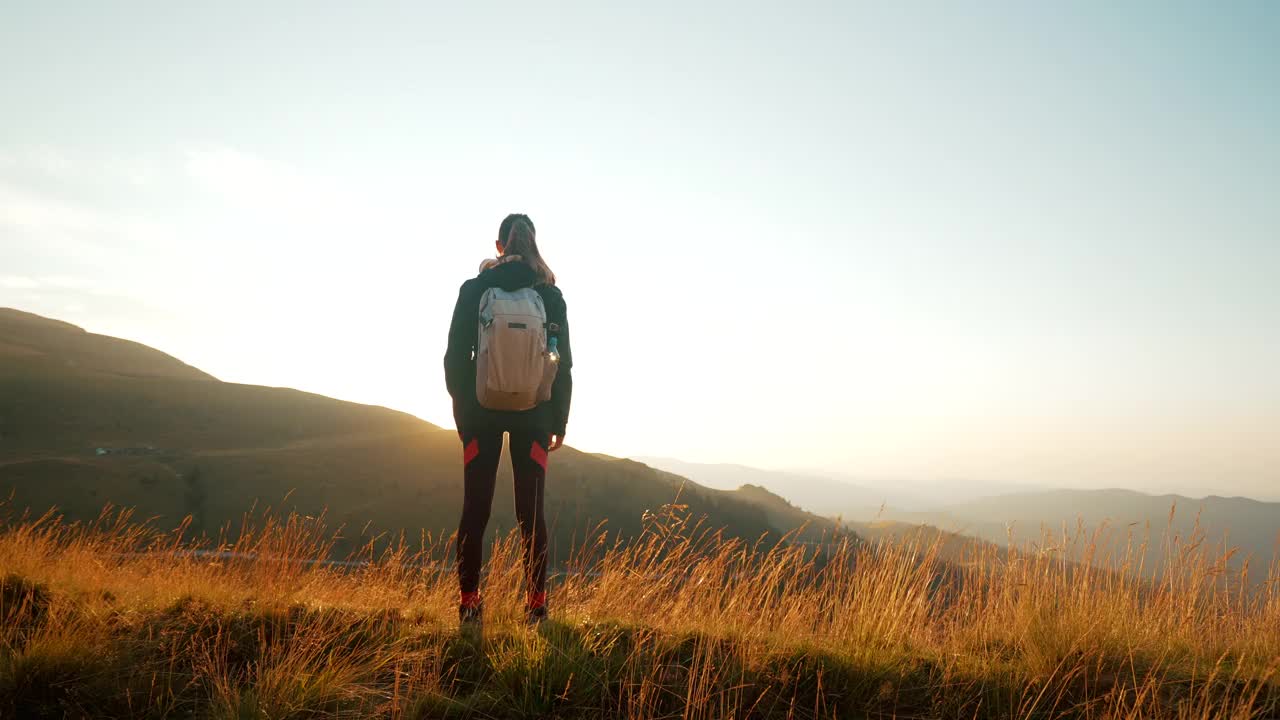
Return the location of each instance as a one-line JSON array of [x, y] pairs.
[[460, 363]]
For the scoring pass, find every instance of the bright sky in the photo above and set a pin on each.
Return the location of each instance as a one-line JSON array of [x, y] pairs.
[[1017, 242]]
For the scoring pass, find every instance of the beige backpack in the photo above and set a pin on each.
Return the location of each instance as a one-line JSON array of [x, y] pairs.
[[514, 370]]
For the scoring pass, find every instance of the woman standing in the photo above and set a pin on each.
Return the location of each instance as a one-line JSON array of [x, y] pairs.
[[496, 322]]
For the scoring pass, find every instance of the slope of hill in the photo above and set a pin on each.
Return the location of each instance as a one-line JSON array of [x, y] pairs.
[[822, 496], [34, 343], [179, 443]]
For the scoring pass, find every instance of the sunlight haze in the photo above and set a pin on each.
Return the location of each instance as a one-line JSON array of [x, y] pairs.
[[991, 241]]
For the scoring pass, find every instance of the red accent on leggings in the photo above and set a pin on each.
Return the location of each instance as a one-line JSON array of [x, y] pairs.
[[470, 452], [539, 456], [537, 600], [470, 600]]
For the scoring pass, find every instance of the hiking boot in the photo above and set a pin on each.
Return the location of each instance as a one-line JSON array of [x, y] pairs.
[[537, 615]]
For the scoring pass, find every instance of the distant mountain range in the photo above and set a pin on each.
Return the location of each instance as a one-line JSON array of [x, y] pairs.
[[816, 494], [1250, 526], [87, 420], [830, 494], [1022, 517]]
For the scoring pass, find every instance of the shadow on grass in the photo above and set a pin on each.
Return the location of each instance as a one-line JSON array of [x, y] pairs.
[[615, 670]]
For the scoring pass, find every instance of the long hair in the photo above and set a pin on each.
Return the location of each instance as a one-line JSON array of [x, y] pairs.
[[518, 237]]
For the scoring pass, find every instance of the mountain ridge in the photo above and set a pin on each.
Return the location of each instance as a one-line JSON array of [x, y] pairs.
[[1020, 516], [813, 493], [26, 337], [181, 443]]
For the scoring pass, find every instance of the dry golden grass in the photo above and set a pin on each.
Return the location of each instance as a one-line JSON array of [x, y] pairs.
[[117, 620]]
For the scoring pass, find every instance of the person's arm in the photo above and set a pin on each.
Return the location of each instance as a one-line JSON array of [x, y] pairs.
[[562, 390], [457, 355]]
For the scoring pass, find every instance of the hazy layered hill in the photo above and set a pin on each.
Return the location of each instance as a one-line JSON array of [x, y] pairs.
[[853, 497], [1252, 526], [179, 442], [818, 495]]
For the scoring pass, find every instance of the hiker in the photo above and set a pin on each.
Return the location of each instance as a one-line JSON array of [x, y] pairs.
[[507, 368]]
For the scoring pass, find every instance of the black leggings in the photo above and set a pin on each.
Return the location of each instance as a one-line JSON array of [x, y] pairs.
[[480, 454]]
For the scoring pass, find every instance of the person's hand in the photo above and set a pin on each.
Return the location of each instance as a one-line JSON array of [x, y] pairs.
[[556, 442]]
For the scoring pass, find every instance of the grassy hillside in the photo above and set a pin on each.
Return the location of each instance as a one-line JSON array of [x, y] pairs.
[[33, 342], [677, 624], [212, 450]]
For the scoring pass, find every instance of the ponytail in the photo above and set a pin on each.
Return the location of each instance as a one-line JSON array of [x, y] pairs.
[[518, 237]]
